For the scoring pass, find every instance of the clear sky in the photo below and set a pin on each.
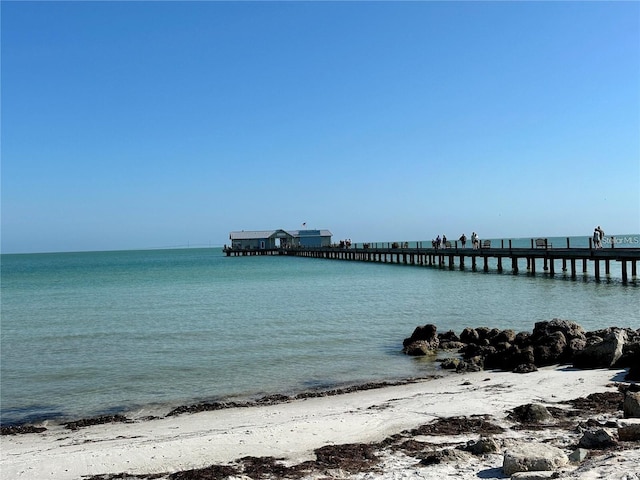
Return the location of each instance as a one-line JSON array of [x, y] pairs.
[[154, 124]]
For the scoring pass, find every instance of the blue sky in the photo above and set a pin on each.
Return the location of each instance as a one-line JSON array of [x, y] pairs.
[[150, 124]]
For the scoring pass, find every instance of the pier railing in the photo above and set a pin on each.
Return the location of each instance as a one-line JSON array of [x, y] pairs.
[[571, 259]]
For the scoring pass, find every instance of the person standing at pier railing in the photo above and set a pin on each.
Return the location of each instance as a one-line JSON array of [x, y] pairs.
[[463, 240], [600, 236]]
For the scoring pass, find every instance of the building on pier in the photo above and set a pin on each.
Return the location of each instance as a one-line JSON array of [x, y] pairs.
[[270, 239]]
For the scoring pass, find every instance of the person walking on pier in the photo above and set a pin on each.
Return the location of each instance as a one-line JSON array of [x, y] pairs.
[[444, 241], [463, 240], [474, 240]]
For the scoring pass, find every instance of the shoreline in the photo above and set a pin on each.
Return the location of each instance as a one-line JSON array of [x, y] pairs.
[[555, 342], [232, 401], [294, 430]]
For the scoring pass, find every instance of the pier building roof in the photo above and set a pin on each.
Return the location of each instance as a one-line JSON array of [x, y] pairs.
[[257, 234]]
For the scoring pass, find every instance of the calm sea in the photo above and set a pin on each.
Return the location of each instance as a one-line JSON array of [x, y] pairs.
[[139, 332]]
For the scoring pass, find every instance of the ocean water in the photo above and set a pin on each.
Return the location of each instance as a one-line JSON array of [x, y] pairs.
[[140, 332]]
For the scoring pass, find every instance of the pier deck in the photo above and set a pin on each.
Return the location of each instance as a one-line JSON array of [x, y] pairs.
[[569, 259]]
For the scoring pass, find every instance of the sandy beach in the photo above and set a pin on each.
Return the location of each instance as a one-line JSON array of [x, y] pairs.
[[292, 431]]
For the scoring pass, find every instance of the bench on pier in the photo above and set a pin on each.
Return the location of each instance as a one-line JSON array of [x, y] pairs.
[[447, 244], [486, 244], [542, 243]]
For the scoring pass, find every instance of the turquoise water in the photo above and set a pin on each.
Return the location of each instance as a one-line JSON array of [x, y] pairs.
[[142, 331]]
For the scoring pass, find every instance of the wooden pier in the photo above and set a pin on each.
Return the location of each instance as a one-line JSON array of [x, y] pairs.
[[539, 255]]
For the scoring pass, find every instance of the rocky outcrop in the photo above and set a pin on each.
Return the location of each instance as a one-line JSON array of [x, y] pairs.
[[533, 457], [551, 342]]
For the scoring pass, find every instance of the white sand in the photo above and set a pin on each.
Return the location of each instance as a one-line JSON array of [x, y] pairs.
[[293, 430]]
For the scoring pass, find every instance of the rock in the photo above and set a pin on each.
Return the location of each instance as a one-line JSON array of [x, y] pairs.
[[508, 336], [525, 368], [629, 433], [426, 332], [501, 346], [550, 349], [510, 358], [631, 405], [482, 446], [474, 350], [531, 413], [601, 352], [523, 339], [484, 332], [448, 336], [533, 457], [450, 345], [420, 348], [494, 358], [632, 360], [578, 455], [556, 341], [450, 363], [423, 341], [473, 364], [569, 329], [446, 455], [523, 355], [469, 335], [575, 345], [634, 374], [599, 439]]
